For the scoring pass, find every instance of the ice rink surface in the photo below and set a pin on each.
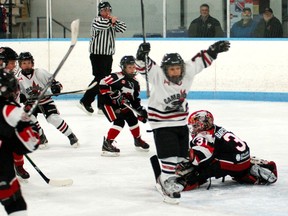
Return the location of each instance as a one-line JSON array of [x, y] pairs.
[[125, 185]]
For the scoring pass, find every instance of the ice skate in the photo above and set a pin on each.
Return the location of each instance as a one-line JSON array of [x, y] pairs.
[[21, 172], [86, 108], [169, 189], [141, 145], [73, 140], [108, 149], [43, 142]]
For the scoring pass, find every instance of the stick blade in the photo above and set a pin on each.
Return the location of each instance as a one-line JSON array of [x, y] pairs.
[[60, 182], [155, 166], [74, 31]]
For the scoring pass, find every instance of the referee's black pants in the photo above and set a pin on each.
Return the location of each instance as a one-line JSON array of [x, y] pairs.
[[101, 67]]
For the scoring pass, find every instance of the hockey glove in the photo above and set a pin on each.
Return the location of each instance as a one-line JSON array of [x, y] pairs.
[[56, 87], [218, 47], [183, 168], [143, 50], [28, 133], [117, 98], [143, 114]]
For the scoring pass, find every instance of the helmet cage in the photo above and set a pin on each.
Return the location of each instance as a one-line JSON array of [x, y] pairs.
[[201, 120], [24, 56], [8, 84], [103, 5], [173, 59], [127, 60]]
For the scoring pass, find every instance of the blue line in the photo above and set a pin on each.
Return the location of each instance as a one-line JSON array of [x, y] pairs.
[[210, 95]]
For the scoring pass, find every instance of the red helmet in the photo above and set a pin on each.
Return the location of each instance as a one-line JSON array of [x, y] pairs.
[[201, 120]]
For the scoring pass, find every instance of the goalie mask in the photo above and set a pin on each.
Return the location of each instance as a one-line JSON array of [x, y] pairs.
[[173, 59], [103, 5], [201, 120], [128, 60], [23, 57], [8, 85]]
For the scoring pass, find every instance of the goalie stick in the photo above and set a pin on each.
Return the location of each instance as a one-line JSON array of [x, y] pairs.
[[52, 182], [146, 56], [74, 35], [157, 172]]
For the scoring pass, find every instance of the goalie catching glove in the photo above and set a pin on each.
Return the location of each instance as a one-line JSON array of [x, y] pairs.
[[143, 50], [218, 47], [143, 114]]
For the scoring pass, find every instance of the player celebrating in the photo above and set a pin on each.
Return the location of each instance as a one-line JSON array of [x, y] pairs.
[[168, 107], [18, 134], [119, 89], [217, 152], [32, 82]]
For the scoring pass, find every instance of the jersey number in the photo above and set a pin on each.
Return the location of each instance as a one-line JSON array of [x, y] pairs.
[[241, 145]]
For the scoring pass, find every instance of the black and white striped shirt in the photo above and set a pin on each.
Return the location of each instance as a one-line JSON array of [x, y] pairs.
[[103, 35]]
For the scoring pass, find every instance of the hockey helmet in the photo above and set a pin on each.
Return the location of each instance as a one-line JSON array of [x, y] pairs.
[[172, 59], [103, 5], [8, 84], [127, 60], [26, 56], [201, 120], [7, 54]]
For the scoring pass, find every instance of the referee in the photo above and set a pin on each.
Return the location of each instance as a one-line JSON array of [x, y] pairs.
[[102, 49]]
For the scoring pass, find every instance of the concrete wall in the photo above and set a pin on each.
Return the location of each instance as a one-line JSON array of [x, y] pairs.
[[249, 66]]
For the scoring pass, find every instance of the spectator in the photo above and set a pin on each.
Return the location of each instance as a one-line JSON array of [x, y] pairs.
[[102, 49], [245, 27], [205, 25], [269, 26]]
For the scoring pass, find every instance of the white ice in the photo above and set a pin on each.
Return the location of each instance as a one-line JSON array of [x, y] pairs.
[[125, 185]]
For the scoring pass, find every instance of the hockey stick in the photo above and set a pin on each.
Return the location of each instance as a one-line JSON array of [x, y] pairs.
[[70, 92], [52, 182], [146, 56], [132, 109], [74, 35]]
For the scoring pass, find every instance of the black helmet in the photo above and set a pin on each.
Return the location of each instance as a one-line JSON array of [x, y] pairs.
[[8, 84], [103, 5], [127, 60], [7, 54], [172, 59], [26, 56]]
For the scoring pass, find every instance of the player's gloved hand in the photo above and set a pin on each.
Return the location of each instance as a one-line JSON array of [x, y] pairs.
[[143, 114], [56, 87], [143, 50], [27, 107], [218, 47], [118, 98], [28, 133], [183, 168]]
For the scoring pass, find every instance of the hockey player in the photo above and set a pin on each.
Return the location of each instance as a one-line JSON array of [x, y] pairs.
[[217, 152], [119, 90], [18, 134], [168, 107], [32, 82], [9, 62]]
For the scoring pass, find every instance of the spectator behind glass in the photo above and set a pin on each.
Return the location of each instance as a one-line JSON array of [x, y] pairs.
[[245, 27], [205, 25], [269, 26]]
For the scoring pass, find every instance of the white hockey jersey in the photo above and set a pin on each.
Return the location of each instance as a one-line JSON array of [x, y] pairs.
[[167, 106], [35, 82]]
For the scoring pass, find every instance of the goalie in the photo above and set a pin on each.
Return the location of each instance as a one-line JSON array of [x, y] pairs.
[[217, 152]]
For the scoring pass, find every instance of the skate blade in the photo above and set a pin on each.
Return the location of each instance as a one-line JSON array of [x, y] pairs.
[[75, 145], [84, 110], [21, 180], [141, 149], [43, 146], [166, 198], [110, 154]]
